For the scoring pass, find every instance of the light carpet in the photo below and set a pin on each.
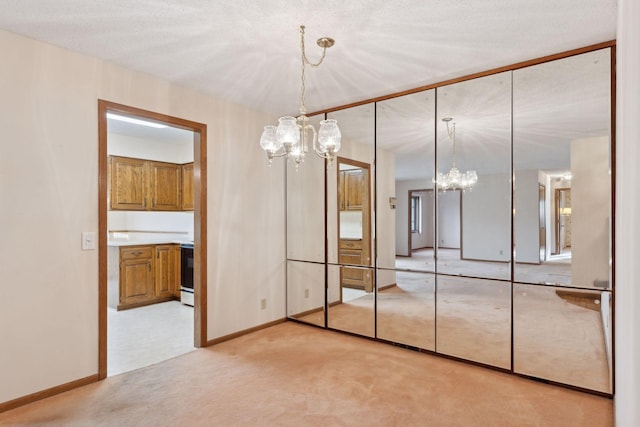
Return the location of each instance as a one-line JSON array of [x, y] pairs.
[[294, 375]]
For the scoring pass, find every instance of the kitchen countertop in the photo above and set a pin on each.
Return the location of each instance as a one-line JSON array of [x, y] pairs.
[[153, 241]]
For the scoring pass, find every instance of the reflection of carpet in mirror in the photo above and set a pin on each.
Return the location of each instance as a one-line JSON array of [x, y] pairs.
[[556, 270], [474, 320], [558, 339], [406, 311], [354, 316], [555, 338]]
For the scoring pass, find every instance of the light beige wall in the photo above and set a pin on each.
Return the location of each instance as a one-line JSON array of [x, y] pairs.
[[386, 216], [590, 211], [49, 195], [143, 148], [527, 216], [627, 294]]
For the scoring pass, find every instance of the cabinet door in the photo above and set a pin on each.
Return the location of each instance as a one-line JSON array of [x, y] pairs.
[[187, 187], [166, 185], [166, 273], [353, 188], [128, 181], [136, 275], [176, 268], [341, 193]]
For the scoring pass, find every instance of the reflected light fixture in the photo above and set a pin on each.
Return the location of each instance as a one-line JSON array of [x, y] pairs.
[[290, 138], [454, 179]]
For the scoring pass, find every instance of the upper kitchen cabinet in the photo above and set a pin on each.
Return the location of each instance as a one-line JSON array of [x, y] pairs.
[[140, 185], [165, 186], [128, 179], [187, 187], [350, 190]]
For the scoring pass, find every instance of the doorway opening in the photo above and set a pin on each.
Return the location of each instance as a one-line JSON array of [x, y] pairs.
[[563, 221], [542, 221], [152, 201], [420, 224], [354, 228]]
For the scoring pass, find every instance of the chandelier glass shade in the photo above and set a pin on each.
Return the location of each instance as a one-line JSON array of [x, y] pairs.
[[292, 135], [454, 179]]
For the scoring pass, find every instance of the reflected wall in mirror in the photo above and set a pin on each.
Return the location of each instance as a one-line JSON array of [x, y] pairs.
[[406, 309], [305, 207], [475, 137], [405, 156], [474, 320], [305, 292], [563, 335], [561, 155], [351, 310]]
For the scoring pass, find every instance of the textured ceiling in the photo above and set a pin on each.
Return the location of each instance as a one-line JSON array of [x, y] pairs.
[[247, 51]]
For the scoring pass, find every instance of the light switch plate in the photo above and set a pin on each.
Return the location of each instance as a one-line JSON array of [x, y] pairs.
[[88, 241]]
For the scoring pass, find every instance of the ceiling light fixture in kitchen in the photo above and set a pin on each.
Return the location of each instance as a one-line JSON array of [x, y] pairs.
[[290, 137]]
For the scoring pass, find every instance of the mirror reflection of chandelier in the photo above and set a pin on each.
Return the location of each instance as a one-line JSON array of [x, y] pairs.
[[454, 179], [290, 137]]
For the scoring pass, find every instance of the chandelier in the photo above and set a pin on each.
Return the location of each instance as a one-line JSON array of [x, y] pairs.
[[454, 179], [291, 137]]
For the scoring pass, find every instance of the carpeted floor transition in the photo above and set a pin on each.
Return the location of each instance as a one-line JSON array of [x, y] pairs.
[[298, 375]]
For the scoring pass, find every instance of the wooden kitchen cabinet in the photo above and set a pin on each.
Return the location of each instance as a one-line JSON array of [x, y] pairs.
[[136, 276], [350, 190], [352, 252], [165, 185], [139, 185], [187, 187], [128, 183], [167, 269], [148, 274]]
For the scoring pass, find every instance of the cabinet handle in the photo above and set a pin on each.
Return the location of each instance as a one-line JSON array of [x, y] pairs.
[[149, 267]]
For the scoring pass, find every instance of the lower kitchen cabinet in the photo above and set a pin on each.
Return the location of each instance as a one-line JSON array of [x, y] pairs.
[[148, 274], [167, 262], [136, 275], [351, 251]]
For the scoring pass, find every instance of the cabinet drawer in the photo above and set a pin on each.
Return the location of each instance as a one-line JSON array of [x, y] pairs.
[[350, 244], [136, 252]]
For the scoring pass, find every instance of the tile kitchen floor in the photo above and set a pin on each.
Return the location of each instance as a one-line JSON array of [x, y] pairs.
[[147, 335]]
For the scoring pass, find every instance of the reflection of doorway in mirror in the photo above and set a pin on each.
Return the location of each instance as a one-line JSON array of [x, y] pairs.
[[563, 220], [354, 224], [542, 208], [420, 224]]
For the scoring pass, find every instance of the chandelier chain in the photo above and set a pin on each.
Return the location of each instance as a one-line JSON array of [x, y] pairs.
[[305, 60], [452, 136]]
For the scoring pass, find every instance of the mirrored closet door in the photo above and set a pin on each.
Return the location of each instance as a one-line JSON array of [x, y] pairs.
[[472, 220]]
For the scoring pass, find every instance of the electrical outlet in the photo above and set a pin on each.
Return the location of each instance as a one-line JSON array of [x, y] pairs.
[[306, 293], [263, 303]]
